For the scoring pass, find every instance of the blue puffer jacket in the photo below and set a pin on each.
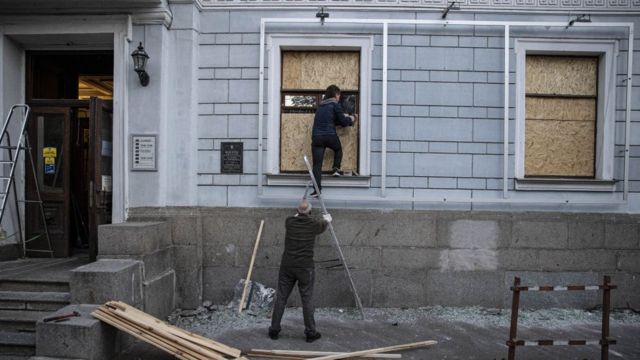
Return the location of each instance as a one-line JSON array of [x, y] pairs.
[[328, 115]]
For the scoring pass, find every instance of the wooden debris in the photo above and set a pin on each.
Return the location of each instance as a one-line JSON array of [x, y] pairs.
[[185, 345], [378, 350], [178, 342], [301, 354]]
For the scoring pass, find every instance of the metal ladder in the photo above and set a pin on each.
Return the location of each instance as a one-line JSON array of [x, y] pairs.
[[6, 181], [335, 238]]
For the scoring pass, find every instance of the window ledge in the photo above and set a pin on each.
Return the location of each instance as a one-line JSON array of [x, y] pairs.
[[327, 180], [560, 184]]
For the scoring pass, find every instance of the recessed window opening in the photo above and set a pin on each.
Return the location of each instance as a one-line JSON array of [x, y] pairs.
[[305, 76], [561, 107]]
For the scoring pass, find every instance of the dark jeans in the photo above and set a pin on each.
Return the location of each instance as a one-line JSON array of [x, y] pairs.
[[287, 279], [318, 145]]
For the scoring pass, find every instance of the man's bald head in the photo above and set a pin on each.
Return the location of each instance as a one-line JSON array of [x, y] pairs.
[[304, 207]]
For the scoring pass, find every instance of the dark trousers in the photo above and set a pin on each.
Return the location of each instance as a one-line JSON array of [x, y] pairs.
[[318, 145], [287, 279]]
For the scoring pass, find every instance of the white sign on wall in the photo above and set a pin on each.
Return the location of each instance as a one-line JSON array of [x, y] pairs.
[[143, 152]]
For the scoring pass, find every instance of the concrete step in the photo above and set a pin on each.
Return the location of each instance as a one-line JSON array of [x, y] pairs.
[[20, 320], [34, 285], [27, 300], [17, 345]]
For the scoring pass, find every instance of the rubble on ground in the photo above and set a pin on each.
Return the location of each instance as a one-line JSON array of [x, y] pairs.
[[215, 319]]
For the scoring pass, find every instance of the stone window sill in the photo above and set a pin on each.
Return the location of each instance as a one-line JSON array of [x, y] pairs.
[[327, 180], [561, 184]]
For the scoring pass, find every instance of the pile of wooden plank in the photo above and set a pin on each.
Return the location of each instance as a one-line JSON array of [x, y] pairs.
[[189, 346], [178, 342]]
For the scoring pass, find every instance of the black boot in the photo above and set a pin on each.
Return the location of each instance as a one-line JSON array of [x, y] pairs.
[[313, 337]]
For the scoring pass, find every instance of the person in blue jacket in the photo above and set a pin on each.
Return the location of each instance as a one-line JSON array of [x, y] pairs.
[[328, 115]]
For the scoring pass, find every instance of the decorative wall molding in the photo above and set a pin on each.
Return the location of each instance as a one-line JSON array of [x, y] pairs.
[[569, 5]]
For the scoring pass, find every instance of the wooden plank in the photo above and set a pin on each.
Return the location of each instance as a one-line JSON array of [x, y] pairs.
[[154, 338], [138, 333], [561, 75], [545, 108], [295, 139], [253, 259], [559, 148], [194, 349], [193, 337], [319, 69], [304, 354], [161, 331], [378, 350], [151, 338]]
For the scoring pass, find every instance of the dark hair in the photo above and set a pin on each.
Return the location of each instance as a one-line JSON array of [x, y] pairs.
[[332, 91]]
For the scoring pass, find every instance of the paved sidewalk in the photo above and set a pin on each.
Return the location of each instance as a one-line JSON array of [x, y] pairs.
[[465, 333]]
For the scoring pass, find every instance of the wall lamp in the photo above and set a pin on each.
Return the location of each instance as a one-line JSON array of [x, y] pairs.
[[140, 58]]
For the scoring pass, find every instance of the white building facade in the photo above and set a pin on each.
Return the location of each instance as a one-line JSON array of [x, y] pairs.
[[451, 126]]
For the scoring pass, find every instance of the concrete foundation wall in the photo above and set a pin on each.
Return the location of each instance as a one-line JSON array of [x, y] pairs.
[[413, 258]]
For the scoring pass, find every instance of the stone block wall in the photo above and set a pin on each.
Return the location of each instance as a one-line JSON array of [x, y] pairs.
[[135, 265], [416, 258]]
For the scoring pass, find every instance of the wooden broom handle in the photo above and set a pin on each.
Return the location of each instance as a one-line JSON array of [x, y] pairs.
[[253, 258]]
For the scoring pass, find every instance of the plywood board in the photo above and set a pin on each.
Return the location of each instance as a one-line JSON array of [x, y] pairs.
[[562, 75], [559, 148], [560, 109], [295, 141], [309, 70]]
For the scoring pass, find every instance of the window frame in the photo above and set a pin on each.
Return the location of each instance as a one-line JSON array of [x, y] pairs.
[[607, 51], [276, 43]]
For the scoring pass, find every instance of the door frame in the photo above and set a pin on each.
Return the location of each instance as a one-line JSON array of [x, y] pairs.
[[32, 128], [121, 28], [96, 119]]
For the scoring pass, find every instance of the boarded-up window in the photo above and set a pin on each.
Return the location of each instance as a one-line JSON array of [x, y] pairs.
[[560, 115], [305, 76]]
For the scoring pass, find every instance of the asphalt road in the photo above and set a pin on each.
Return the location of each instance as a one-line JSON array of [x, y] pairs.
[[481, 337]]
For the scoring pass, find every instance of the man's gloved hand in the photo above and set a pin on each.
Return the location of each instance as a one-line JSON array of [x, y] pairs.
[[327, 217]]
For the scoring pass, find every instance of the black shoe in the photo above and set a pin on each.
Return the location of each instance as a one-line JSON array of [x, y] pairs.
[[314, 337], [314, 195], [337, 172], [273, 334]]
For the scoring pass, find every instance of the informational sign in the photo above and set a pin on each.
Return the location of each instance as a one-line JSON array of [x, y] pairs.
[[231, 157], [143, 152], [48, 152], [50, 169], [107, 184]]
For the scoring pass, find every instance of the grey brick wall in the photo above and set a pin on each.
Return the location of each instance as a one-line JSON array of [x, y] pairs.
[[413, 258], [445, 104]]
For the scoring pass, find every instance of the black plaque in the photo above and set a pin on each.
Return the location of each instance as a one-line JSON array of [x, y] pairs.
[[231, 162]]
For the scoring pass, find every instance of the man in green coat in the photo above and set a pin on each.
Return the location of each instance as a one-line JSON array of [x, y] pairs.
[[297, 266]]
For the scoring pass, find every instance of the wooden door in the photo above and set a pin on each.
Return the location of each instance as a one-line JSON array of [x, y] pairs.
[[101, 161], [49, 138]]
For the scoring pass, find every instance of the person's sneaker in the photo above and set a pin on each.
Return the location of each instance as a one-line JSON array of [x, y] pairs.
[[273, 334], [314, 337], [336, 172], [314, 195]]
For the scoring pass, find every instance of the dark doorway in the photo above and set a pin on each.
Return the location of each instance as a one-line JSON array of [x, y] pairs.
[[70, 132]]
